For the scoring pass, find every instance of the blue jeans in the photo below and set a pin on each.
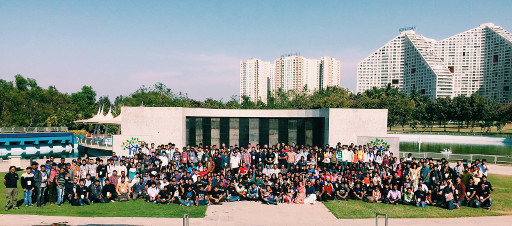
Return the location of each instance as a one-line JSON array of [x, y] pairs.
[[202, 202], [27, 197], [233, 198], [486, 203], [450, 205], [60, 195], [270, 200], [422, 204], [82, 201], [102, 181], [40, 196], [190, 202]]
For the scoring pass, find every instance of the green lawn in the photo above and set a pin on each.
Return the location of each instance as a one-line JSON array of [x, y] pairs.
[[130, 208], [502, 205]]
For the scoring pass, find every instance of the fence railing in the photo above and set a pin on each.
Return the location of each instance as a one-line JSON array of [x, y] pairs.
[[377, 218], [496, 159], [33, 129], [100, 142], [482, 134]]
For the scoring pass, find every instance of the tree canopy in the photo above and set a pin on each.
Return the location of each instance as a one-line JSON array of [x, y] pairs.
[[24, 103]]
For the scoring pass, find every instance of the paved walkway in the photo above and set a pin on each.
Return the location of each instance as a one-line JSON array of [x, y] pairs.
[[252, 213]]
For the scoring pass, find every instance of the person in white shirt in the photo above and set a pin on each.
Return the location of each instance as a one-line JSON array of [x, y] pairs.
[[267, 171], [152, 193], [164, 159], [163, 184], [235, 162], [122, 168], [111, 168]]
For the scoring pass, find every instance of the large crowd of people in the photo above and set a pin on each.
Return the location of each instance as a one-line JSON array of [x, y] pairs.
[[293, 174]]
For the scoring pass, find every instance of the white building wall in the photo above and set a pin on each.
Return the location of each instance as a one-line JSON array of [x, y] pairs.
[[162, 125]]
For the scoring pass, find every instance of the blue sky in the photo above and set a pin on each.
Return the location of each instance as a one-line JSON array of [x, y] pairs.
[[195, 47]]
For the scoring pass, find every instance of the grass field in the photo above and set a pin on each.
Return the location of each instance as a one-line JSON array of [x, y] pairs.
[[130, 208], [502, 205], [453, 129]]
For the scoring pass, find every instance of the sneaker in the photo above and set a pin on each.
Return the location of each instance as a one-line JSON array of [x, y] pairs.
[[58, 205], [6, 208], [26, 205]]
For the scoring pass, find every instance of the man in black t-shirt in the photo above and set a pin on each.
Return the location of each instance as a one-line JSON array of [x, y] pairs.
[[420, 197], [163, 196], [215, 196], [201, 197], [342, 192], [483, 196], [11, 188]]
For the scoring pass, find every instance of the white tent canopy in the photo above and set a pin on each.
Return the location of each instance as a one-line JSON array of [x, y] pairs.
[[99, 118]]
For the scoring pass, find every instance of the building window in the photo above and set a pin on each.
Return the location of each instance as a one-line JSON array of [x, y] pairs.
[[506, 88], [495, 58], [452, 69], [413, 70], [422, 91], [394, 81], [414, 86]]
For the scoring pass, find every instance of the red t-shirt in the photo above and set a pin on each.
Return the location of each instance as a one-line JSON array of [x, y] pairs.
[[243, 170]]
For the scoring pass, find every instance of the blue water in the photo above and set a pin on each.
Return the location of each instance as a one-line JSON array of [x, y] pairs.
[[458, 148]]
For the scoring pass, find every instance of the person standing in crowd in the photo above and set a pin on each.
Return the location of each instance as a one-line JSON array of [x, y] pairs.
[[272, 174], [11, 188], [28, 185], [41, 182]]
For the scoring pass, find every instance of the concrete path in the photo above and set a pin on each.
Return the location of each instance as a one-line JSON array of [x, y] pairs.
[[252, 213]]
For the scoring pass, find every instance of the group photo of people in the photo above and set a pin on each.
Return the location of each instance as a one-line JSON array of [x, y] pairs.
[[279, 174]]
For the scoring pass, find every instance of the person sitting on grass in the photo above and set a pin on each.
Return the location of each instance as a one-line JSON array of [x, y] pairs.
[[342, 192], [70, 192], [95, 192], [377, 195], [152, 193], [359, 192], [188, 197], [201, 197], [420, 198], [163, 196], [483, 197], [138, 190], [215, 196], [394, 196], [448, 191], [108, 192], [408, 197], [123, 190], [82, 194]]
